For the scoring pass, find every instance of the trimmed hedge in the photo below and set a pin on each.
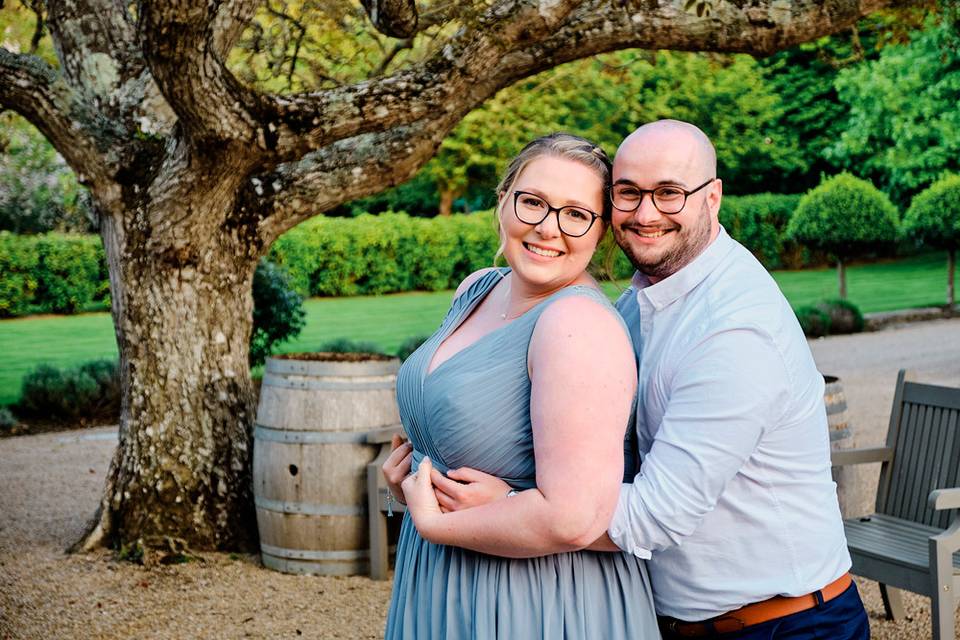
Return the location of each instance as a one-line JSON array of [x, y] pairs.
[[385, 253], [390, 252], [759, 222], [52, 273]]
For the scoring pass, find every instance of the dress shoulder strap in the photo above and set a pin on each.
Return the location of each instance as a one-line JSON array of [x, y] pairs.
[[477, 290]]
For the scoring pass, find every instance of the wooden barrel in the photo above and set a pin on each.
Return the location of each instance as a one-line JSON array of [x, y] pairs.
[[841, 437], [310, 456]]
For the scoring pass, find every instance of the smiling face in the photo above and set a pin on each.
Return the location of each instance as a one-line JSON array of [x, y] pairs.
[[542, 258], [666, 154]]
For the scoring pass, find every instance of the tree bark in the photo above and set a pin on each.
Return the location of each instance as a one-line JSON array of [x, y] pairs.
[[181, 473], [446, 202]]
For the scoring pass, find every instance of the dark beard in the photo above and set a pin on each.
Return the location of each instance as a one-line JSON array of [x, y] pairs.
[[693, 241]]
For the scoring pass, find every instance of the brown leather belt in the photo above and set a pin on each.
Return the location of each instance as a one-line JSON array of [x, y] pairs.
[[756, 613]]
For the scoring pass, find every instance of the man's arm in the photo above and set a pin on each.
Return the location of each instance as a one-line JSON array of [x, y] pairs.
[[722, 396]]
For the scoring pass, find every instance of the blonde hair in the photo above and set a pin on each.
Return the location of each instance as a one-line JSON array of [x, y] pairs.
[[557, 145]]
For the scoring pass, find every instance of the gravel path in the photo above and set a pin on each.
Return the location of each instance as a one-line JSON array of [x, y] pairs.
[[50, 484]]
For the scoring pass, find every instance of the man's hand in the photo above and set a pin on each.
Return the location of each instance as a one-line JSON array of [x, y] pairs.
[[465, 487], [397, 466]]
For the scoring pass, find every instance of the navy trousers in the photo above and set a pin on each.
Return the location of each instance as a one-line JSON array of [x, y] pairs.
[[842, 618]]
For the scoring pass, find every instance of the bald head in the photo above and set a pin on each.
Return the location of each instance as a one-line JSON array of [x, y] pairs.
[[674, 134], [675, 163]]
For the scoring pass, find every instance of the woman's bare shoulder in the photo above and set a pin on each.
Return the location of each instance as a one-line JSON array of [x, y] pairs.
[[582, 322]]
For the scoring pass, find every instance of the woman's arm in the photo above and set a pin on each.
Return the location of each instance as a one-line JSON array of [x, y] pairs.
[[583, 380]]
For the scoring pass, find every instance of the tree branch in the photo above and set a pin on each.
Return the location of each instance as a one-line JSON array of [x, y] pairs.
[[306, 122], [232, 18], [359, 116], [394, 18], [515, 40], [96, 46], [86, 140], [345, 170], [179, 45], [596, 28]]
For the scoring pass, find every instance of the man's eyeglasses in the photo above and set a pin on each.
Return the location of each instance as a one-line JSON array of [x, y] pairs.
[[532, 209], [668, 199]]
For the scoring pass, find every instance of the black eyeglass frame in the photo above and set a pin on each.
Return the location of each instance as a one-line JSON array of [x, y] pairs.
[[653, 197], [551, 209]]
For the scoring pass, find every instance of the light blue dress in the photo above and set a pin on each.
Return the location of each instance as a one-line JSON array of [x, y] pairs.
[[474, 410]]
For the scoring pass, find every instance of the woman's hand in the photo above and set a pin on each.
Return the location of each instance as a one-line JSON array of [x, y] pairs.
[[422, 502], [397, 466], [465, 487]]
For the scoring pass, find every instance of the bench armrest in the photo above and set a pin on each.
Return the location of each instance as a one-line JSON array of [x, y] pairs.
[[948, 541], [843, 457], [941, 499], [383, 436]]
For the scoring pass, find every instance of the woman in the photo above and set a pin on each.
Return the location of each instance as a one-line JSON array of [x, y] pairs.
[[529, 378]]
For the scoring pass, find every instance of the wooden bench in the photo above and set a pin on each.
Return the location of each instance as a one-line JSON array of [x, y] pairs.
[[912, 540], [377, 503]]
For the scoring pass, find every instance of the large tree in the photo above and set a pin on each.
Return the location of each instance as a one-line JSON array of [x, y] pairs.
[[193, 173]]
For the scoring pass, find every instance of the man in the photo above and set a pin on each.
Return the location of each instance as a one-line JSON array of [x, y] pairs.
[[734, 505]]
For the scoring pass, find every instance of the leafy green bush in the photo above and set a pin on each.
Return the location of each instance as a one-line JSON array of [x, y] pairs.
[[88, 392], [346, 345], [759, 222], [815, 322], [933, 219], [7, 420], [52, 273], [846, 217], [18, 274], [408, 346], [70, 273], [845, 317], [278, 313], [386, 253], [38, 191]]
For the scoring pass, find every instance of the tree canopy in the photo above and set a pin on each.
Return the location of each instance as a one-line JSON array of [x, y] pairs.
[[903, 128]]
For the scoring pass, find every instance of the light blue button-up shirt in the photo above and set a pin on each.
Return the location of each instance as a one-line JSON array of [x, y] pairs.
[[734, 502]]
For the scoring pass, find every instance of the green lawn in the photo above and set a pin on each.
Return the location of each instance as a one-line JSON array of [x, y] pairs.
[[389, 320]]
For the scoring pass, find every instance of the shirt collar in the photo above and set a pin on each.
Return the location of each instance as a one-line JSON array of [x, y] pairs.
[[674, 287]]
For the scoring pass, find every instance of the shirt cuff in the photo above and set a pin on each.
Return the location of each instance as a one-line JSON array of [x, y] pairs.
[[620, 531]]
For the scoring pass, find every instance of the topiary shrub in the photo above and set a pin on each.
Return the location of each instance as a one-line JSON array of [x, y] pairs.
[[846, 217], [933, 219], [845, 317], [815, 322], [278, 313], [87, 393]]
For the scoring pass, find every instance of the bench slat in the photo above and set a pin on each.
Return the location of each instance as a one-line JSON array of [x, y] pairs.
[[894, 539]]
